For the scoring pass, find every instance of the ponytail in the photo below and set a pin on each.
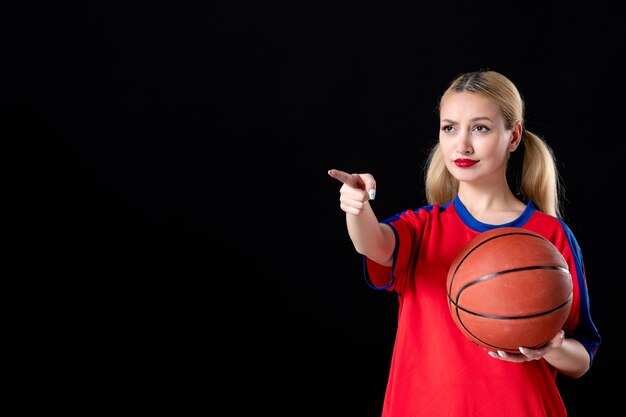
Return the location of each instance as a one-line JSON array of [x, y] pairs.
[[440, 185], [540, 177]]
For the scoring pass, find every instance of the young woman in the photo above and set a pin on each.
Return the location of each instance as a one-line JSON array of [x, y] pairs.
[[435, 369]]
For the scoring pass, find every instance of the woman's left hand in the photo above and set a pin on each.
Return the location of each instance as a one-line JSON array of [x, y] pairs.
[[527, 354]]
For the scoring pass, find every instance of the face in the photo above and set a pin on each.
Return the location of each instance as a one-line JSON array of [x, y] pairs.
[[472, 137]]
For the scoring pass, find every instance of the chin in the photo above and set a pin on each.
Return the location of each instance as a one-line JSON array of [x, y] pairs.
[[462, 174]]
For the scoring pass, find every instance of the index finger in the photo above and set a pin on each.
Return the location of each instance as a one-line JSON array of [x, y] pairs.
[[348, 179]]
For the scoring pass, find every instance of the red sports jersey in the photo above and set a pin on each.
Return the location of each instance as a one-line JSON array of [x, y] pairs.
[[435, 369]]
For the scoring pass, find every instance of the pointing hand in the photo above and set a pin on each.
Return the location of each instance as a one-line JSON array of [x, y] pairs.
[[356, 191]]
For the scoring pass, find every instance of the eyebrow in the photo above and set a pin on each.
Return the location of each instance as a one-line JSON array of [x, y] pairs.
[[475, 119]]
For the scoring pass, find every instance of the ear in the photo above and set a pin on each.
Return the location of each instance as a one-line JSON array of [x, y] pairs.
[[516, 137]]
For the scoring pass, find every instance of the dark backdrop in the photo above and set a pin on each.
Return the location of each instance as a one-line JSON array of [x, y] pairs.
[[179, 246]]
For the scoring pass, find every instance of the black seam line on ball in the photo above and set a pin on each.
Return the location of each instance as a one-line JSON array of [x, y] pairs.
[[510, 271], [489, 316]]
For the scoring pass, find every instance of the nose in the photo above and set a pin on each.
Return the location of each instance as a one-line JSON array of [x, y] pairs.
[[464, 145]]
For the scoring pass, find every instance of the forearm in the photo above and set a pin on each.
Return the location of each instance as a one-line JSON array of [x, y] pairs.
[[369, 237], [571, 358]]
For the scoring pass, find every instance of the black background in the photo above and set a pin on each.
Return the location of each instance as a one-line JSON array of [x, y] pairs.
[[179, 247]]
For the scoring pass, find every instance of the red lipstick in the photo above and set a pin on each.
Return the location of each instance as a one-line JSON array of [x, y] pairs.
[[465, 163]]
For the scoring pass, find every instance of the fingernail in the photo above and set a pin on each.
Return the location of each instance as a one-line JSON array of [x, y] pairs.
[[372, 193]]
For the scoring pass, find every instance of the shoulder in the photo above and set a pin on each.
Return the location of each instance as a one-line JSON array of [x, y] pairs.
[[554, 229], [420, 214]]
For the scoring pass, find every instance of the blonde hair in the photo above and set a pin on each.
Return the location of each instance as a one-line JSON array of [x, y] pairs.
[[540, 182]]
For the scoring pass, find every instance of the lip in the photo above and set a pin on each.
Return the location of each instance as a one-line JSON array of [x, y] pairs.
[[465, 163]]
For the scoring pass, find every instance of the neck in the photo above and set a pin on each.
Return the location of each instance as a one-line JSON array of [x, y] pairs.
[[495, 206]]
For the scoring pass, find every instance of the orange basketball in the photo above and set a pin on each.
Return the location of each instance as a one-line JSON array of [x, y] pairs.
[[509, 287]]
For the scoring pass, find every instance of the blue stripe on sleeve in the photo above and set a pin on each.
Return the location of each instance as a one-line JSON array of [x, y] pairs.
[[586, 332]]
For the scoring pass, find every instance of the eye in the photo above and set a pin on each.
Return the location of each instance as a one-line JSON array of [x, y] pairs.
[[481, 128], [447, 128]]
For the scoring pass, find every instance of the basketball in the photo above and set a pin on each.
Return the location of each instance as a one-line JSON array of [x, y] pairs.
[[509, 287]]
